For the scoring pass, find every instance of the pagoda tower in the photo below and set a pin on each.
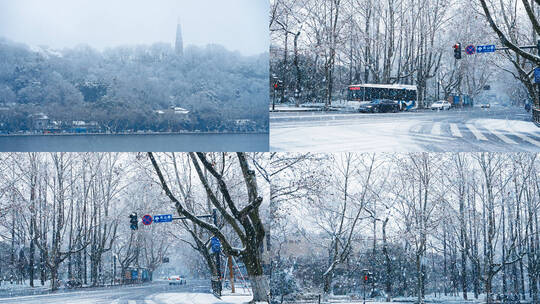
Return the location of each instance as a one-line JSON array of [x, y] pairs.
[[179, 46]]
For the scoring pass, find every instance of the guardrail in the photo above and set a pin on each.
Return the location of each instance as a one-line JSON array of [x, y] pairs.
[[536, 117]]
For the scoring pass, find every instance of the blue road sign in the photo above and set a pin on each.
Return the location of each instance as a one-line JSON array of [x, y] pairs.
[[470, 49], [490, 48], [537, 75], [162, 218], [215, 244], [147, 219]]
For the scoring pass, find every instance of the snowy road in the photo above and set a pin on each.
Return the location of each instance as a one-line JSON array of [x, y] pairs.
[[504, 129], [194, 292]]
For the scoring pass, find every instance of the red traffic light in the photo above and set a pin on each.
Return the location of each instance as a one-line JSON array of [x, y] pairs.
[[365, 278], [457, 50], [275, 85]]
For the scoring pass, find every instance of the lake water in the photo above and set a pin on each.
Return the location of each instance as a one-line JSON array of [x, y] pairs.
[[200, 142]]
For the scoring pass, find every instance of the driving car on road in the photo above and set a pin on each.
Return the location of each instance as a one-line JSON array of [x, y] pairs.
[[379, 106], [441, 105], [176, 280], [485, 105]]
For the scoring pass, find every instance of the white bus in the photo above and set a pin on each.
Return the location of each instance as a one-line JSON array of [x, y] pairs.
[[404, 95]]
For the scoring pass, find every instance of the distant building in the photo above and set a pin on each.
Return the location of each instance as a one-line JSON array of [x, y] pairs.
[[40, 121], [79, 126], [178, 110], [173, 110], [179, 46], [243, 122]]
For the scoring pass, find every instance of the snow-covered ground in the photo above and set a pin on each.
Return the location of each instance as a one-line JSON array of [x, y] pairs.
[[201, 298], [501, 130], [431, 298]]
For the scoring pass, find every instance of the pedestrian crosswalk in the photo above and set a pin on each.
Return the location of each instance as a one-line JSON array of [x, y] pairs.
[[121, 301], [528, 139], [436, 130], [455, 130], [480, 133], [475, 132]]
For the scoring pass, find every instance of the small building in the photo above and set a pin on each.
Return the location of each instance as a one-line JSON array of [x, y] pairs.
[[243, 122], [179, 111], [40, 121], [173, 110], [80, 126]]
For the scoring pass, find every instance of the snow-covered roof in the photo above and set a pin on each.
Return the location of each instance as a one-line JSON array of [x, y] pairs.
[[179, 110], [386, 86], [39, 116]]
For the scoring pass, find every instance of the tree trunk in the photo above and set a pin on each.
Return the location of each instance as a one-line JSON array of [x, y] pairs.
[[488, 291], [260, 288], [420, 279], [259, 282], [54, 278]]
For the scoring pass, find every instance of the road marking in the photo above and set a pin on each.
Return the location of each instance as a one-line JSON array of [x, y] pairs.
[[502, 137], [455, 130], [149, 302], [436, 130], [476, 133], [132, 302], [526, 138]]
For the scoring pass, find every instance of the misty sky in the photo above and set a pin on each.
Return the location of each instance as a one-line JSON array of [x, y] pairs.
[[236, 24]]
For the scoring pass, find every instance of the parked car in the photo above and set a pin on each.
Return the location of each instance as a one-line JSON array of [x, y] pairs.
[[73, 284], [176, 280], [485, 105], [441, 105], [379, 106]]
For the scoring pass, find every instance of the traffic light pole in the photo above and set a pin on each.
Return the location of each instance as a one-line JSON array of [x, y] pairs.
[[364, 301], [216, 254], [218, 260], [274, 101], [536, 111], [134, 226], [458, 49]]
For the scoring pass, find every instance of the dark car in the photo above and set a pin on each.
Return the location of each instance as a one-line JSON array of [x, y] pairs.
[[379, 106], [73, 284]]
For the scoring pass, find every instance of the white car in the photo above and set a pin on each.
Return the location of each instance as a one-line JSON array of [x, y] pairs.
[[441, 105], [176, 280]]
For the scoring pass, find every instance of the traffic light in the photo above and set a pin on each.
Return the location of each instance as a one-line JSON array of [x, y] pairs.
[[457, 50], [133, 221], [278, 85]]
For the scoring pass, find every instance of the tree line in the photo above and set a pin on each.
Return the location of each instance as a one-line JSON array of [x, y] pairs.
[[419, 224], [65, 216], [318, 48], [122, 88]]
